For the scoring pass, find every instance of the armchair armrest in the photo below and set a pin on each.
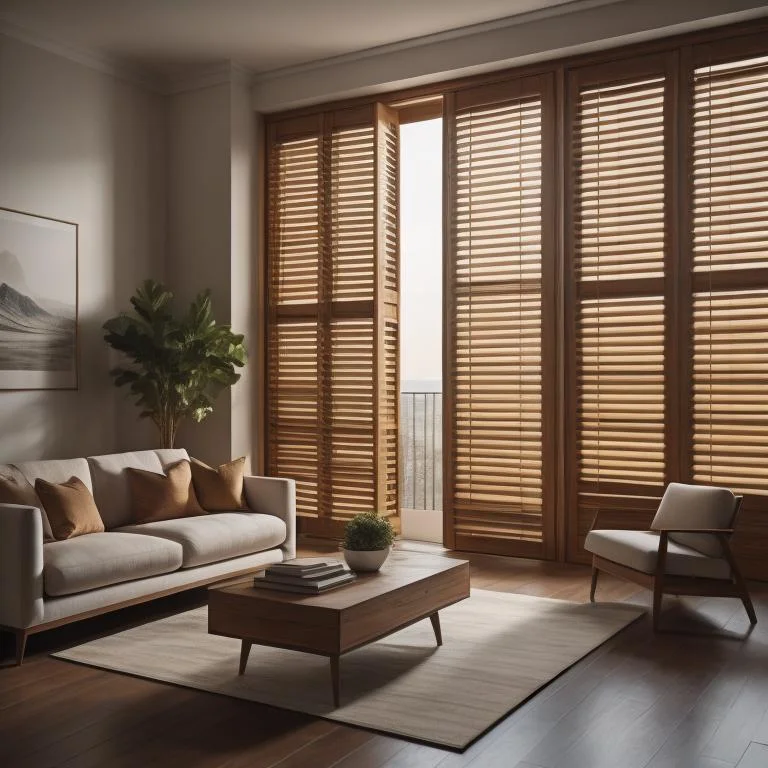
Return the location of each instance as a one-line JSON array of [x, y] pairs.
[[274, 496], [716, 531], [21, 566]]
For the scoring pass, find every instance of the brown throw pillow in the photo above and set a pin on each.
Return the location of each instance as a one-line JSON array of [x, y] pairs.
[[16, 489], [163, 497], [70, 508], [219, 490]]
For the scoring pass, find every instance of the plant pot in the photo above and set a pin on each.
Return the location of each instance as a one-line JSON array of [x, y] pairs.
[[366, 560]]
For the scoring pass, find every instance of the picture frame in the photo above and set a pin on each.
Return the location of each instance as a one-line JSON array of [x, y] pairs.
[[39, 302]]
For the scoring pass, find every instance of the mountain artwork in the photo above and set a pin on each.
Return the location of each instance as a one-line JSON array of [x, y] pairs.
[[38, 302]]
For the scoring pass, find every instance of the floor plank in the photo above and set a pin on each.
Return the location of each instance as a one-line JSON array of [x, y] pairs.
[[640, 701]]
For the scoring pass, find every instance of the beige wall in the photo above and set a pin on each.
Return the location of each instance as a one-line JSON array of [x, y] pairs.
[[80, 145]]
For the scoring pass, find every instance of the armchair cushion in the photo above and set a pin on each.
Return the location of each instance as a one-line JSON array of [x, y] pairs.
[[639, 550], [695, 506]]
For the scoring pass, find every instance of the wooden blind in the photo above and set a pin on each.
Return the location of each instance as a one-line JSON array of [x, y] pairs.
[[333, 313], [620, 187], [498, 360], [729, 188]]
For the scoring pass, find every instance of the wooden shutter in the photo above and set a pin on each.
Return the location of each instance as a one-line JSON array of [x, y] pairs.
[[620, 183], [333, 313], [499, 375], [729, 255]]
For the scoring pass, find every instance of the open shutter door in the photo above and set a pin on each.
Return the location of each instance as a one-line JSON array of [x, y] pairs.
[[333, 314], [730, 287], [617, 385], [499, 362]]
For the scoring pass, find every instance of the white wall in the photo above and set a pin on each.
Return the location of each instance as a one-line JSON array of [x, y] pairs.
[[82, 146], [211, 159]]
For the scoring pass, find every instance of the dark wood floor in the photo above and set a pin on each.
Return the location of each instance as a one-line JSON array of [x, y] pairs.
[[641, 700]]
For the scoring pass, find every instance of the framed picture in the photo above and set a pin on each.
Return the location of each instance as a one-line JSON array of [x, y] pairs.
[[38, 302]]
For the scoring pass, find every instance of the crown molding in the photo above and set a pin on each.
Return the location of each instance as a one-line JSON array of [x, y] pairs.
[[148, 79], [136, 75], [208, 77], [562, 9], [565, 30]]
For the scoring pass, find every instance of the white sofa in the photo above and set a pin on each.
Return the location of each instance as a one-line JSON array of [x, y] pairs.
[[46, 583]]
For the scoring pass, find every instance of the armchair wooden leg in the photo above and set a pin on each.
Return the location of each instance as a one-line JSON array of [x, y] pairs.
[[593, 586], [738, 580], [658, 594], [21, 645]]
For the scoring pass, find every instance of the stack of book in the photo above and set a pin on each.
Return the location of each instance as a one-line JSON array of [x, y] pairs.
[[307, 575]]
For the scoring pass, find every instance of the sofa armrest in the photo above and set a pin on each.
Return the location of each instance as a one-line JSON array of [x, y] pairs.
[[275, 496], [21, 566]]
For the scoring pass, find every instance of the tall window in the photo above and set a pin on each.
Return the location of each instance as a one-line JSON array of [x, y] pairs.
[[605, 304]]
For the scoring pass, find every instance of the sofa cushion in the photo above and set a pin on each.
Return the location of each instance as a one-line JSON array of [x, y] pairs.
[[100, 559], [639, 549], [16, 489], [220, 489], [157, 496], [217, 536], [70, 508], [695, 506], [110, 483]]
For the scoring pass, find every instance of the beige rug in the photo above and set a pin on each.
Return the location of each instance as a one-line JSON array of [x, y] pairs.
[[498, 650]]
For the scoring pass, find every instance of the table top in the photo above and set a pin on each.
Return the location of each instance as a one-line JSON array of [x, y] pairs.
[[401, 570]]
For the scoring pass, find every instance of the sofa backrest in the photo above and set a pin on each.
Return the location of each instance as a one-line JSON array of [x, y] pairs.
[[110, 483], [56, 470]]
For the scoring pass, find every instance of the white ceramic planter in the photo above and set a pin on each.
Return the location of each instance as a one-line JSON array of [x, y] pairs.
[[370, 560]]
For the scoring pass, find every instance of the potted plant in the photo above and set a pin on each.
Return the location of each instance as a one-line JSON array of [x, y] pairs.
[[367, 541], [179, 365]]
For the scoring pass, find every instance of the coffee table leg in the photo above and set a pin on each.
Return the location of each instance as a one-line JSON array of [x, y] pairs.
[[335, 679], [435, 619], [245, 649]]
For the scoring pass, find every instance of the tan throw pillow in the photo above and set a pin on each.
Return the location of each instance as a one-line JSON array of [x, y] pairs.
[[163, 497], [16, 489], [219, 490], [70, 508]]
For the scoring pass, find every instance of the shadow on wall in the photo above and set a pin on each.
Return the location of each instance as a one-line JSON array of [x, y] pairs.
[[78, 145], [139, 169]]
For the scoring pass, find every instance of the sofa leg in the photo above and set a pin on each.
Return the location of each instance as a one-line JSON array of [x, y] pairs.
[[593, 586], [21, 645]]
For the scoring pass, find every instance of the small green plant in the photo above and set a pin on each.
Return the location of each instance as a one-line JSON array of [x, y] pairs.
[[367, 531], [178, 365]]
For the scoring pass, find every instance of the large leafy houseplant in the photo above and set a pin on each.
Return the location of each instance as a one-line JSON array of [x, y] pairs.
[[178, 366]]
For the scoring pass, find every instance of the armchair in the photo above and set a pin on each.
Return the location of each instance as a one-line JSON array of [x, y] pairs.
[[686, 552]]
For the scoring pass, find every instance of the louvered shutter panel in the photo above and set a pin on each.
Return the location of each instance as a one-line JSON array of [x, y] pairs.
[[333, 313], [500, 463], [293, 339], [730, 288], [620, 182]]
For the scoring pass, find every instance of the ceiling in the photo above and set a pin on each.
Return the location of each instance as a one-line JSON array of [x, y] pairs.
[[172, 37]]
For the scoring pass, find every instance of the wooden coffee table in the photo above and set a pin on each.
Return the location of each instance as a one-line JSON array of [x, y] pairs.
[[409, 587]]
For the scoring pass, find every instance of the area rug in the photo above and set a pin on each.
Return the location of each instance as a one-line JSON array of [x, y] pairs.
[[498, 650]]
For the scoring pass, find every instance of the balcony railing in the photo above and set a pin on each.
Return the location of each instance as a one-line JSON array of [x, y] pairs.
[[421, 450]]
